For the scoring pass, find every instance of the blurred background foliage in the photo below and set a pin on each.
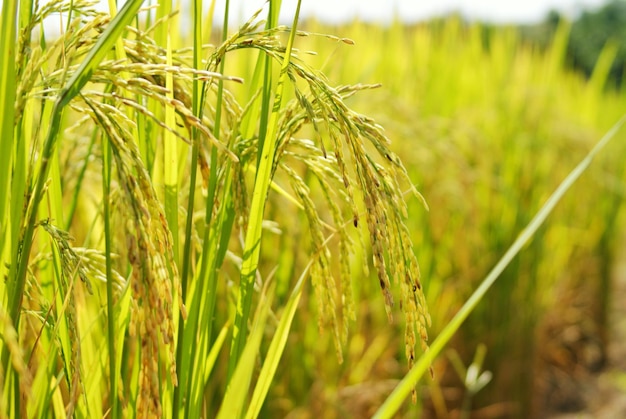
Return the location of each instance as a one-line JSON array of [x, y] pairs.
[[488, 120], [590, 33]]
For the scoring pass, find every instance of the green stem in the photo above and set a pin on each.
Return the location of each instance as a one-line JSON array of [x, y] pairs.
[[106, 176], [252, 247], [185, 348], [8, 31]]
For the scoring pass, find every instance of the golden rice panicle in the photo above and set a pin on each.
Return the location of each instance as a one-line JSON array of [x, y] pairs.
[[377, 225], [403, 263], [353, 128], [240, 194], [347, 180], [333, 198], [152, 295], [377, 174], [154, 291], [71, 268], [150, 251], [321, 277], [324, 168], [143, 319], [92, 263]]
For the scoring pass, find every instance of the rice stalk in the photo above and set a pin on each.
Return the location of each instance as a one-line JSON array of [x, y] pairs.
[[124, 100]]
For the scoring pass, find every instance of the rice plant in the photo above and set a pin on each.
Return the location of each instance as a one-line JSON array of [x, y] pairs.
[[141, 190], [209, 224]]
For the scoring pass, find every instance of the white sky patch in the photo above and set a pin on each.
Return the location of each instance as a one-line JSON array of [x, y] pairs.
[[336, 11], [378, 11], [496, 11]]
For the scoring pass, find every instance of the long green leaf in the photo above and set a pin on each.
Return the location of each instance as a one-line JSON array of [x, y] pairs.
[[99, 51], [106, 186], [203, 301], [237, 391], [275, 351], [184, 348], [8, 45]]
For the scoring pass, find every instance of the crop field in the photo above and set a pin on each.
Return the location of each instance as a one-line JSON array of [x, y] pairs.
[[202, 220]]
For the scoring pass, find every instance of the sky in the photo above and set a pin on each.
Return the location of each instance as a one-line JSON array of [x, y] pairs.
[[496, 11]]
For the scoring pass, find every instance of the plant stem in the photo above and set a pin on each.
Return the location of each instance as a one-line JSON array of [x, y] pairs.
[[252, 247], [106, 183]]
